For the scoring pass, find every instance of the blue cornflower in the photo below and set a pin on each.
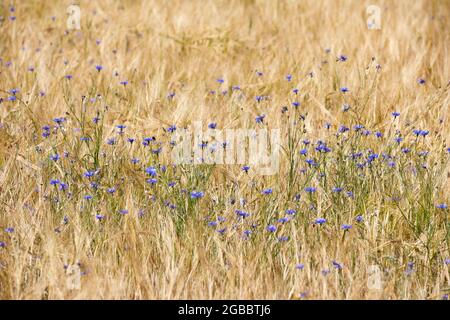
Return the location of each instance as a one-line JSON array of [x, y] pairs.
[[89, 174], [121, 127], [63, 186], [88, 197], [123, 211], [289, 77], [271, 228], [242, 214], [124, 83], [111, 141], [54, 157], [260, 118], [212, 223], [267, 191], [212, 125], [197, 194], [395, 114], [359, 219], [2, 244], [310, 189], [303, 152], [421, 81], [151, 171], [68, 76], [245, 168], [320, 221], [283, 219], [152, 181], [342, 58], [378, 134], [337, 189], [346, 227], [343, 129], [300, 266], [171, 184], [291, 211], [442, 206], [337, 265], [295, 91], [344, 89], [172, 128], [220, 80], [296, 104], [54, 182], [59, 120], [99, 67], [99, 217], [111, 190], [398, 139], [9, 230]]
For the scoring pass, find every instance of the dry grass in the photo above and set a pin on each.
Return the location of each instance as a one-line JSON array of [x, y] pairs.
[[161, 47]]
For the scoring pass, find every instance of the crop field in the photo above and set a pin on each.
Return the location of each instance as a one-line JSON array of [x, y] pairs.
[[220, 149]]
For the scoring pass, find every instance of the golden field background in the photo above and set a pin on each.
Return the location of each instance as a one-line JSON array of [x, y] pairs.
[[183, 47]]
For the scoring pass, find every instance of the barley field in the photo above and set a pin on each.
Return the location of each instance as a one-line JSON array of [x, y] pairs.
[[95, 96]]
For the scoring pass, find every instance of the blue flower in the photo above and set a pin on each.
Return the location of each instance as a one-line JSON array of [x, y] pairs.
[[289, 77], [346, 227], [421, 81], [212, 125], [151, 171], [89, 174], [303, 152], [296, 104], [337, 265], [152, 181], [9, 230], [123, 211], [54, 182], [344, 89], [260, 118], [283, 220], [267, 191], [172, 128], [395, 114], [111, 190], [310, 189], [300, 266], [241, 213], [197, 194], [442, 206], [320, 221], [342, 58], [54, 157], [359, 219], [291, 211], [99, 67], [271, 228], [99, 217], [212, 223], [245, 168]]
